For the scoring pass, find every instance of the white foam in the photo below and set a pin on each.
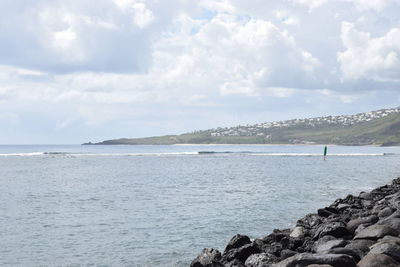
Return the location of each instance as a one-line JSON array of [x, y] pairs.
[[201, 153], [317, 154], [22, 154], [132, 154]]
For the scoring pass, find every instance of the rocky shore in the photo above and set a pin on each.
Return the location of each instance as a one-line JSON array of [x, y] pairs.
[[358, 230]]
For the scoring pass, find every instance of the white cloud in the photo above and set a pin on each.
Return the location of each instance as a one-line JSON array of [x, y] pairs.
[[150, 63], [224, 56], [311, 3], [219, 5], [370, 58], [239, 56], [141, 15], [377, 5], [65, 37]]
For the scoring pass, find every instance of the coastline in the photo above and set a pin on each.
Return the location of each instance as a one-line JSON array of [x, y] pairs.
[[358, 230], [233, 144], [261, 145]]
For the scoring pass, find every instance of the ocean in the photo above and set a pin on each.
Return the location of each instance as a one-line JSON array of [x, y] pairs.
[[72, 205]]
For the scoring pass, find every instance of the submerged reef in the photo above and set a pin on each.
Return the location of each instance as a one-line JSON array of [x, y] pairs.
[[358, 230]]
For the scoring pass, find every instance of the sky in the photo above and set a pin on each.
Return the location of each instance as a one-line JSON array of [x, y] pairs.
[[76, 71]]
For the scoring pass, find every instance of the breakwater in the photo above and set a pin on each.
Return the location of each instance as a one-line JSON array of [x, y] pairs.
[[358, 230]]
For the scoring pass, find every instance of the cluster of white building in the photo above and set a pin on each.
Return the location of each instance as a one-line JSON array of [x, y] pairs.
[[345, 120]]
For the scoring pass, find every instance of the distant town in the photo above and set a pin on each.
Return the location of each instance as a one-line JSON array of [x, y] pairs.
[[380, 127], [263, 129]]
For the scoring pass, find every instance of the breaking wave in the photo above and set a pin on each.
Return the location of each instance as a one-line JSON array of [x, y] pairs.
[[249, 153]]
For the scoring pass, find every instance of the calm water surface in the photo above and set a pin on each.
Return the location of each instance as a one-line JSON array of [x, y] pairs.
[[160, 205]]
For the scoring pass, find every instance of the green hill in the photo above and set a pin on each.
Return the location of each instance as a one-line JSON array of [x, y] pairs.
[[380, 127]]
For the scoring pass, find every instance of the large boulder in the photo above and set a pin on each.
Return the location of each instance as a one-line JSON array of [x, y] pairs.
[[234, 263], [343, 206], [360, 228], [327, 211], [276, 235], [336, 229], [385, 212], [390, 238], [241, 253], [297, 232], [305, 259], [260, 260], [360, 244], [324, 245], [378, 260], [391, 222], [376, 231], [353, 224], [395, 214], [286, 253], [207, 258], [355, 253], [310, 221], [366, 195], [390, 248], [394, 200], [238, 241]]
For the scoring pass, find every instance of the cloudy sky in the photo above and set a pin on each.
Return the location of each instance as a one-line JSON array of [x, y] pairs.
[[76, 71]]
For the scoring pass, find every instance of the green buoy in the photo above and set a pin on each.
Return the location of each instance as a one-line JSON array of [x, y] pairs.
[[325, 151]]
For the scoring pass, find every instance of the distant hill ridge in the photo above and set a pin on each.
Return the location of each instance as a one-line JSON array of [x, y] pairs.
[[380, 127]]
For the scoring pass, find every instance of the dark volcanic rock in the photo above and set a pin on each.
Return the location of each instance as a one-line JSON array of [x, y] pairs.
[[360, 244], [390, 238], [390, 248], [319, 265], [305, 259], [353, 224], [378, 260], [394, 200], [276, 235], [286, 253], [207, 258], [274, 248], [336, 229], [234, 263], [360, 228], [355, 253], [285, 242], [385, 212], [326, 212], [376, 231], [363, 229], [366, 195], [395, 214], [343, 207], [241, 253], [260, 260], [298, 232], [322, 246], [238, 241], [310, 221], [391, 222]]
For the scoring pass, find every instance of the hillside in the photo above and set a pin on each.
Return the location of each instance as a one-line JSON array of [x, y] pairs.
[[381, 127]]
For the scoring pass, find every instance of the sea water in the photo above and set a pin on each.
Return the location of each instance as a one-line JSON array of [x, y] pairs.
[[160, 205]]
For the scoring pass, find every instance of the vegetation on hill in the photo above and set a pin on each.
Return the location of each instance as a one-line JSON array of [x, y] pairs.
[[380, 127]]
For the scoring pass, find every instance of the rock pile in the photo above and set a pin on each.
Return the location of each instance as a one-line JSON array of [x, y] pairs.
[[356, 231]]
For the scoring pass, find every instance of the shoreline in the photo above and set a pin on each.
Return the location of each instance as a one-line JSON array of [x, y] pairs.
[[259, 145], [358, 230], [250, 144]]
